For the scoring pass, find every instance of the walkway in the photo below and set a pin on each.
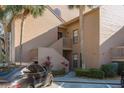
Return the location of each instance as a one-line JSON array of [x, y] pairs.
[[71, 78]]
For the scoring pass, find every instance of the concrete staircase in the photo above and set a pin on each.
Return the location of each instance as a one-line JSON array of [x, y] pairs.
[[55, 57]]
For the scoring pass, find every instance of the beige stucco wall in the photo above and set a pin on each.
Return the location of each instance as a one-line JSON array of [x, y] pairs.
[[45, 39], [33, 54], [55, 57], [58, 46], [66, 13], [91, 39], [111, 30], [35, 32], [69, 34]]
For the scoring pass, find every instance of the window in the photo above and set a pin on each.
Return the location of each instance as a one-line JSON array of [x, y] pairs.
[[75, 36], [75, 57], [75, 60], [60, 35]]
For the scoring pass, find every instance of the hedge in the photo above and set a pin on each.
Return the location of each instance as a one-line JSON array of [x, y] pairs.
[[58, 72], [81, 72], [96, 73], [110, 69], [120, 68], [93, 73]]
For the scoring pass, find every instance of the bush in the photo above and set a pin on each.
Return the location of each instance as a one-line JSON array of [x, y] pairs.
[[120, 68], [96, 73], [110, 69], [81, 72], [93, 73], [58, 72]]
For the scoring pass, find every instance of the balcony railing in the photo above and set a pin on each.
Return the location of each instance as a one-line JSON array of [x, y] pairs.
[[67, 43]]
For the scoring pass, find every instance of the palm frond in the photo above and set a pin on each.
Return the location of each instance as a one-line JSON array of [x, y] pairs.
[[35, 10], [73, 6], [77, 6]]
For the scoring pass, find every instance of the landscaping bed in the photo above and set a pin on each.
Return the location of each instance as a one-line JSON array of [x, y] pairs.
[[106, 71], [91, 73], [58, 72]]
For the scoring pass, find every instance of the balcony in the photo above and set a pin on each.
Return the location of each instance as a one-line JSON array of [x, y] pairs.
[[117, 54], [67, 43]]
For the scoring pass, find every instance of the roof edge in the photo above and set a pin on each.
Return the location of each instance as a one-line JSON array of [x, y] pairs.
[[77, 18]]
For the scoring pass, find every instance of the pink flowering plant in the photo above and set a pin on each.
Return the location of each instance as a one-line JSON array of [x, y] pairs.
[[48, 63], [65, 65]]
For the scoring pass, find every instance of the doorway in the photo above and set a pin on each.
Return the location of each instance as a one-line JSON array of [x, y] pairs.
[[67, 54]]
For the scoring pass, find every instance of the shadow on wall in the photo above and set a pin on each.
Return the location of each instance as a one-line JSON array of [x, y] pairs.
[[116, 39], [43, 40]]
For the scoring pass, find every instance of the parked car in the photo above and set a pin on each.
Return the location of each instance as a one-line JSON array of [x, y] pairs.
[[32, 80]]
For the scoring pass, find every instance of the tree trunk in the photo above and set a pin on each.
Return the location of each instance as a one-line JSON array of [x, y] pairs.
[[81, 22], [6, 43], [12, 44], [21, 34]]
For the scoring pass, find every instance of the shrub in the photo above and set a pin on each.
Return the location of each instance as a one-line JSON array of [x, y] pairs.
[[93, 73], [110, 69], [120, 68], [81, 72], [58, 72], [96, 73]]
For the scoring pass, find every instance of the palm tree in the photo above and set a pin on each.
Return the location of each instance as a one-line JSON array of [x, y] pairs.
[[10, 13], [81, 10], [35, 11], [7, 16]]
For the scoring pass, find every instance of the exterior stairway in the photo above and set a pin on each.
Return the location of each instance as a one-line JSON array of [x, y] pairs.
[[55, 58], [54, 51]]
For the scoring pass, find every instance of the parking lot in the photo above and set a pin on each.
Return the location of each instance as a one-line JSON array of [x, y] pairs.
[[81, 85], [71, 85]]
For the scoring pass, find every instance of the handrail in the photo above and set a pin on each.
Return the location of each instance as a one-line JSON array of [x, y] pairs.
[[52, 11]]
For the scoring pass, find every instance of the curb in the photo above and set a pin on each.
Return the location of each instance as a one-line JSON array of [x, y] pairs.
[[86, 82]]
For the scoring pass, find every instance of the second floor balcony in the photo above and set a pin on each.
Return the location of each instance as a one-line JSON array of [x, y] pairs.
[[67, 43]]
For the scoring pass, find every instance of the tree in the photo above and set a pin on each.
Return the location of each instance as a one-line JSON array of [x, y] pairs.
[[10, 13], [81, 10], [7, 16], [35, 11]]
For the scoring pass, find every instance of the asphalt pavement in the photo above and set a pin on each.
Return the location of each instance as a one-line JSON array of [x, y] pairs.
[[81, 85], [70, 81], [71, 85]]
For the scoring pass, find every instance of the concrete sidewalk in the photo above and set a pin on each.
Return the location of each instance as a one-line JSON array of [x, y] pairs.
[[81, 80], [71, 78]]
